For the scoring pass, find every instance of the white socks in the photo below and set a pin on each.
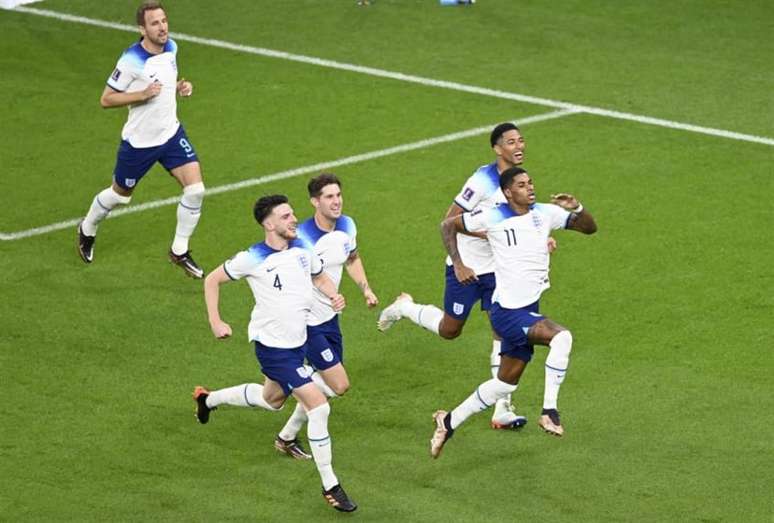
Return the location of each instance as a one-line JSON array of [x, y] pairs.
[[502, 405], [484, 397], [293, 425], [188, 213], [101, 206], [320, 442], [427, 316], [298, 418], [245, 395], [556, 367]]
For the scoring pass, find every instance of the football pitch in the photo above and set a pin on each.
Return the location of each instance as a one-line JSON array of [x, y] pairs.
[[658, 116]]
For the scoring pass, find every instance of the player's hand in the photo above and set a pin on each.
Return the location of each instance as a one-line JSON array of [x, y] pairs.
[[184, 87], [220, 329], [465, 275], [552, 244], [565, 201], [370, 298], [152, 90], [337, 302]]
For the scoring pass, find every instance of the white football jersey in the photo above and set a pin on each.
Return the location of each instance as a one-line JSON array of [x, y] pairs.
[[154, 122], [520, 247], [334, 249], [281, 282], [481, 191]]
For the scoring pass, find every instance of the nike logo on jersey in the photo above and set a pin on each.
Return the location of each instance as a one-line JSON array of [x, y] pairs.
[[269, 270]]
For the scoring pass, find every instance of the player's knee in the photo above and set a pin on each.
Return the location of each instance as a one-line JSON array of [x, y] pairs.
[[194, 193], [341, 387], [563, 338], [450, 329]]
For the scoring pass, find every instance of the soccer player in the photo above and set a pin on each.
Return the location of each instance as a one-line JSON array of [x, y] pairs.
[[334, 237], [481, 191], [145, 80], [518, 232], [282, 272]]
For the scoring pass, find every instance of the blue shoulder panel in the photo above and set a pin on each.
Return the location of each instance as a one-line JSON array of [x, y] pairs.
[[301, 243], [261, 251], [502, 212], [488, 176], [346, 224], [170, 46], [309, 231]]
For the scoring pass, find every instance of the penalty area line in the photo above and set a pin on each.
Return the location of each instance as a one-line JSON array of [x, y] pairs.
[[364, 157]]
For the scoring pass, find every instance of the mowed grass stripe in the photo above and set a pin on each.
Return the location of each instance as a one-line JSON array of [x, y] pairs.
[[648, 120], [372, 155]]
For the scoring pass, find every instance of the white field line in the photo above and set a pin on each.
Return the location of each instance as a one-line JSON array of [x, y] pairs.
[[417, 79], [293, 172]]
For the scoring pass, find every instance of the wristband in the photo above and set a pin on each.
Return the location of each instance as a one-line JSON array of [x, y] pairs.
[[578, 209]]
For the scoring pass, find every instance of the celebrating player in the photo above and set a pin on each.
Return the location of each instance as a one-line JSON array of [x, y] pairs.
[[334, 237], [282, 272], [518, 233], [481, 191], [145, 79]]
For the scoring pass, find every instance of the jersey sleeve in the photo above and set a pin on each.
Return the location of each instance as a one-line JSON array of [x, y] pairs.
[[242, 264], [475, 221], [471, 194], [315, 263], [123, 75], [557, 216], [352, 233]]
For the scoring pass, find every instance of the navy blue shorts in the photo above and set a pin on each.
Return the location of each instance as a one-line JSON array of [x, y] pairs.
[[324, 347], [512, 326], [285, 366], [458, 299], [132, 164]]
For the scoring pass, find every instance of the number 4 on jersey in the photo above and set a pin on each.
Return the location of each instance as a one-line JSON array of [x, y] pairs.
[[277, 283]]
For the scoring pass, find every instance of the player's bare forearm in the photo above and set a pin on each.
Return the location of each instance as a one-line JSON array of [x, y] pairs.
[[356, 271], [212, 285], [453, 210], [449, 232], [111, 98], [325, 285], [582, 222]]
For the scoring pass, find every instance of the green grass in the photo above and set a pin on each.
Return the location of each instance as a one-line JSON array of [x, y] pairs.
[[667, 405]]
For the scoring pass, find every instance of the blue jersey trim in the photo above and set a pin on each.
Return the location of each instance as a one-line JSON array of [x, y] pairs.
[[261, 251], [310, 232]]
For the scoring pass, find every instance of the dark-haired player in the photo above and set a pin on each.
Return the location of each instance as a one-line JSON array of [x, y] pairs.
[[481, 191], [334, 237], [282, 272]]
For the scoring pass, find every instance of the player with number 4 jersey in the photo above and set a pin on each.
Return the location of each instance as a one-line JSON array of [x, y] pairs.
[[282, 272]]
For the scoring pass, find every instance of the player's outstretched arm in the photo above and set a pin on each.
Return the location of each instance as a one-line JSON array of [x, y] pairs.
[[356, 271], [449, 229], [212, 284], [112, 98], [580, 220], [323, 282]]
